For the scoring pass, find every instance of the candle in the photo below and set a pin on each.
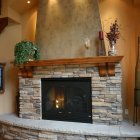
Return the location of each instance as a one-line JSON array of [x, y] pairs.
[[101, 36]]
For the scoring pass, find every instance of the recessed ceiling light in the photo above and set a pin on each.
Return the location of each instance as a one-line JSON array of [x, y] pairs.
[[28, 1]]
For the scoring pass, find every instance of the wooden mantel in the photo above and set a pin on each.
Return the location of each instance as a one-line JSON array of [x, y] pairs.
[[3, 23], [106, 64]]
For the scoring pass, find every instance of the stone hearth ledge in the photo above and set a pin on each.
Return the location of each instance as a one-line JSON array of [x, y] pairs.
[[124, 130]]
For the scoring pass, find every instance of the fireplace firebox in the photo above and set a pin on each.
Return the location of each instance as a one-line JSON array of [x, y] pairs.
[[67, 99]]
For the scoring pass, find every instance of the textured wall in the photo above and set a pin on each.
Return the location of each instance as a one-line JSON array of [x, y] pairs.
[[63, 26], [8, 38]]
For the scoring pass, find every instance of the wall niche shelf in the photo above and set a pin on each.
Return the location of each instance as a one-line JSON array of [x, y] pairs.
[[106, 64]]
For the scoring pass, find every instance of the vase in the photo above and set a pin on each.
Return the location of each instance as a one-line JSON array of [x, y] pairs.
[[112, 49]]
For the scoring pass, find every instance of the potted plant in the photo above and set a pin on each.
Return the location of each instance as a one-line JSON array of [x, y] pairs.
[[26, 51]]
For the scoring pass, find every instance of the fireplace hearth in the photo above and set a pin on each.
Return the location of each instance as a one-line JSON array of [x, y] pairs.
[[67, 99]]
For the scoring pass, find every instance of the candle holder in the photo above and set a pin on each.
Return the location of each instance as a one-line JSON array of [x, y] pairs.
[[101, 49]]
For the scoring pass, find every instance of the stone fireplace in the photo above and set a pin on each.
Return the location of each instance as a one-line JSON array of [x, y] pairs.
[[66, 28], [102, 76], [105, 94]]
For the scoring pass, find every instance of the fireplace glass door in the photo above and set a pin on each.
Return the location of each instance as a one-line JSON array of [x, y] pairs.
[[67, 99]]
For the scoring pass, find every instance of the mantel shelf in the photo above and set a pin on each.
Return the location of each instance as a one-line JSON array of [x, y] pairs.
[[86, 60], [106, 64]]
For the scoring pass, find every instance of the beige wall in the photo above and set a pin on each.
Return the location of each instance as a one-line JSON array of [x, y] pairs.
[[64, 25], [123, 11], [12, 14], [29, 25], [4, 10], [7, 11], [137, 32], [11, 35], [137, 21], [8, 38]]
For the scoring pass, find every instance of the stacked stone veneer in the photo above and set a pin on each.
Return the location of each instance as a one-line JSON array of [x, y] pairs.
[[17, 133], [106, 91]]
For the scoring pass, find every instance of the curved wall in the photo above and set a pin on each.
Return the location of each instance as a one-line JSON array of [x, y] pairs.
[[63, 27]]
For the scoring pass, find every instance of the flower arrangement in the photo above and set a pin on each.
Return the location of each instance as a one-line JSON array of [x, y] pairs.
[[114, 33]]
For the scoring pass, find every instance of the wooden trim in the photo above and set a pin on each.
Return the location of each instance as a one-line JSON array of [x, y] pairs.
[[0, 6], [3, 64], [102, 69], [106, 64], [87, 60], [111, 69], [25, 72], [3, 23]]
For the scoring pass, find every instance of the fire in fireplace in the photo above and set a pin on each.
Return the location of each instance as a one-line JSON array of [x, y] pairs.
[[67, 99]]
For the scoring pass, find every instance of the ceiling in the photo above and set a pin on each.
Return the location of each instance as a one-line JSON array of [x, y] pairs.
[[21, 6]]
